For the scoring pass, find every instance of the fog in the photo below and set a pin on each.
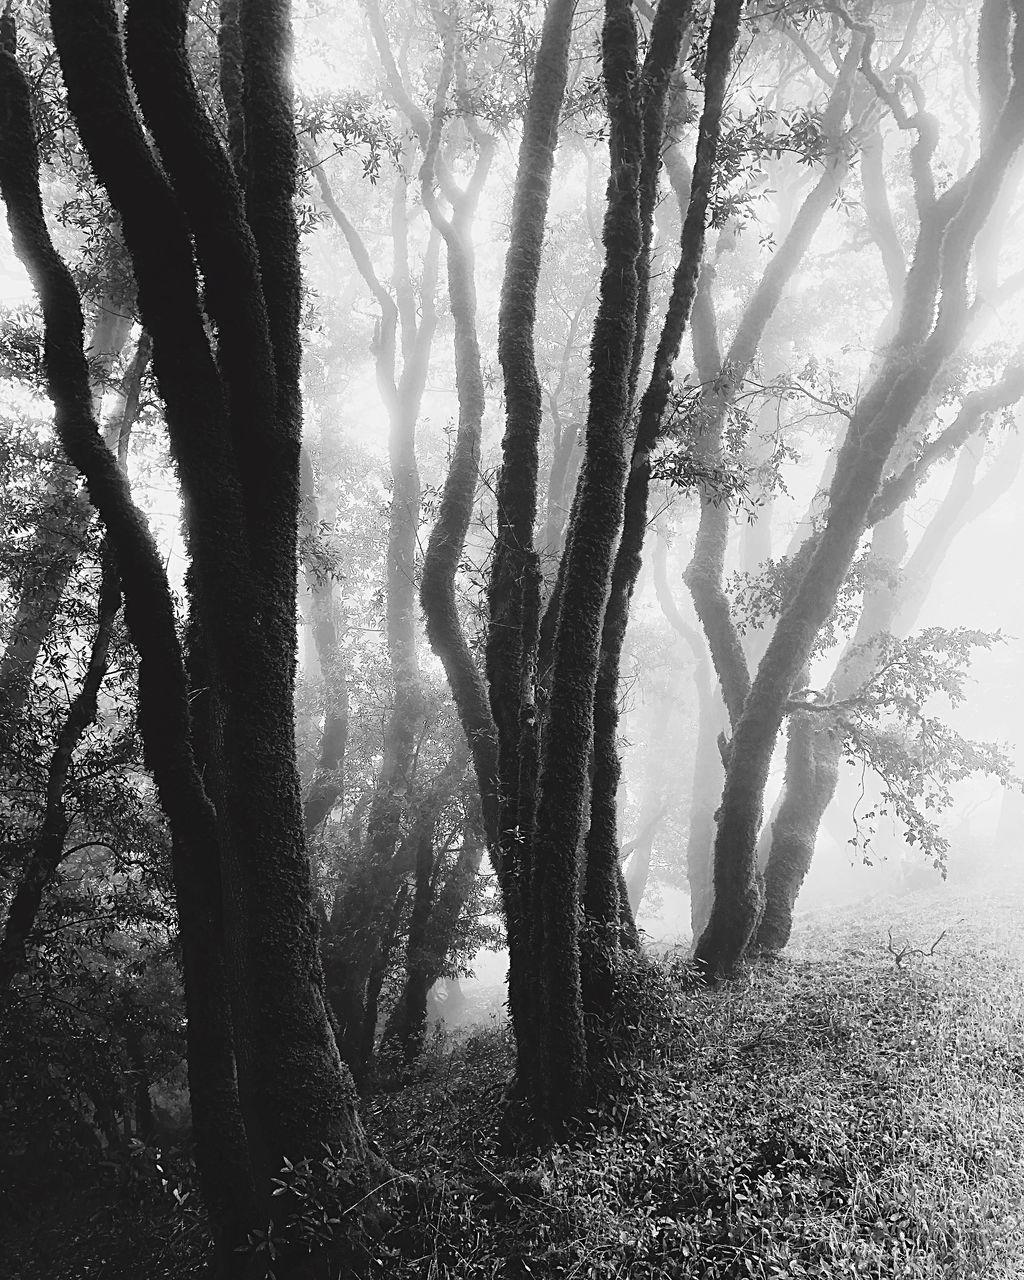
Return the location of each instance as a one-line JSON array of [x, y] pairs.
[[811, 229]]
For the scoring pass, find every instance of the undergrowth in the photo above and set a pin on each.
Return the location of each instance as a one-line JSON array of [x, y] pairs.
[[856, 1110], [842, 1114]]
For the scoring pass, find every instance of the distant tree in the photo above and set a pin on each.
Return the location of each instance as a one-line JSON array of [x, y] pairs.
[[934, 313]]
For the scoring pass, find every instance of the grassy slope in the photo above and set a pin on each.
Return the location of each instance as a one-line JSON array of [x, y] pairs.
[[838, 1113], [842, 1112]]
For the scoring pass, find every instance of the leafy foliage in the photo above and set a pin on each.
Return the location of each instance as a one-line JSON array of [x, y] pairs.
[[918, 757]]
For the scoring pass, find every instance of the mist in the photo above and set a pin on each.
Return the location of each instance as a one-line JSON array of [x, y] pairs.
[[508, 585]]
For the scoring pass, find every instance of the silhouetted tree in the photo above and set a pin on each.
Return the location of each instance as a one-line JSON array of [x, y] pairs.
[[265, 1076]]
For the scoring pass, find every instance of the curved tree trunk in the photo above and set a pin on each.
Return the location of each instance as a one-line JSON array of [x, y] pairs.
[[448, 536], [233, 422], [706, 571], [949, 225], [63, 528], [892, 607], [564, 772]]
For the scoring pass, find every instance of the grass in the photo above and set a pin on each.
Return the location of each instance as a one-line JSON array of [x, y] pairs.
[[855, 1109]]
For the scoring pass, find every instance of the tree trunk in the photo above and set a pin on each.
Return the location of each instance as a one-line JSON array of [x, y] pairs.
[[949, 225], [515, 582], [891, 607], [47, 849], [671, 23], [233, 421], [62, 533]]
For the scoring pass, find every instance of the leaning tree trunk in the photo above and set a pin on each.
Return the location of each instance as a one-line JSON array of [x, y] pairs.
[[705, 574], [61, 533], [432, 926], [891, 607], [221, 1153], [949, 226], [47, 849]]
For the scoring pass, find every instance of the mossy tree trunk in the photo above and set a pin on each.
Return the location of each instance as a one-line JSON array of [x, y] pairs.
[[265, 1076], [933, 318], [671, 24], [515, 583], [437, 907]]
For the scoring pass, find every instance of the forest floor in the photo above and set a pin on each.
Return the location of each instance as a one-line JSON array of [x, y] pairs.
[[854, 1109]]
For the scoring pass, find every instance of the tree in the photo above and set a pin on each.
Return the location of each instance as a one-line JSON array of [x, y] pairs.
[[225, 773], [553, 701], [934, 313]]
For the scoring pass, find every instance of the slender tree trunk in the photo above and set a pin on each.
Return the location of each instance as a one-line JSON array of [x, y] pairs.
[[62, 532], [706, 571], [515, 582], [601, 893], [949, 226], [891, 607], [706, 782], [327, 786], [47, 849], [448, 537]]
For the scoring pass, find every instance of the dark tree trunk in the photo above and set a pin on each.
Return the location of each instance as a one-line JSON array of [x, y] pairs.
[[812, 764], [601, 893], [890, 607], [233, 422], [564, 772], [430, 944], [448, 537], [62, 533], [47, 848], [515, 582]]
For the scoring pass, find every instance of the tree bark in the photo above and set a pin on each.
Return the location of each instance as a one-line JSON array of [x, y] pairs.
[[448, 537], [515, 583], [601, 892], [233, 422], [891, 607], [705, 573], [564, 772], [949, 226]]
